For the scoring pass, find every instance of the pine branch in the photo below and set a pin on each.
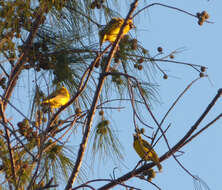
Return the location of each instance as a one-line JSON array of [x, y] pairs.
[[22, 59], [91, 114]]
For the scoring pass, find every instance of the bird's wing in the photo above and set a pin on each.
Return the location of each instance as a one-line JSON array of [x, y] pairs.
[[154, 156], [147, 145], [55, 94], [52, 95], [112, 25]]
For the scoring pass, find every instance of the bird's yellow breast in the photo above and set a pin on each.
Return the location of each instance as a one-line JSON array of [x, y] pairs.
[[113, 34], [111, 30], [58, 101], [58, 98], [141, 150]]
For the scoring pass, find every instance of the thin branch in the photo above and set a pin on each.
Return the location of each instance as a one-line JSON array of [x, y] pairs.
[[48, 185], [177, 62], [127, 176], [152, 59], [144, 99], [175, 148], [102, 180], [81, 88], [91, 113], [87, 17], [150, 182], [16, 109], [117, 99], [194, 127], [18, 139], [84, 185], [63, 51], [161, 135], [7, 134], [4, 71], [35, 174], [22, 59], [10, 60], [110, 108], [173, 105], [132, 100], [167, 6], [181, 165], [203, 129]]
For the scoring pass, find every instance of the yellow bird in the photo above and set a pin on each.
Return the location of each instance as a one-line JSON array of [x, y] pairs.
[[111, 30], [145, 150], [58, 98]]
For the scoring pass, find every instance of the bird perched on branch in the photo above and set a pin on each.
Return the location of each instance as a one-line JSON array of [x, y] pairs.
[[111, 30], [58, 98], [145, 150]]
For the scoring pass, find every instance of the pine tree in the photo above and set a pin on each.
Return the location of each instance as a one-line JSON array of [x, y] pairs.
[[47, 44]]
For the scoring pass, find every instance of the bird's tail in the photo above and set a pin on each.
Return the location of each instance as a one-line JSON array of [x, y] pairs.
[[156, 160]]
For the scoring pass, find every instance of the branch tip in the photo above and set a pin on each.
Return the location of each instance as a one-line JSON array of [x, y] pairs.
[[220, 91]]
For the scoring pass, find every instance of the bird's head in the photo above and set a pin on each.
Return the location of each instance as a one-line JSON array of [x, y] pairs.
[[131, 25], [135, 136], [63, 90]]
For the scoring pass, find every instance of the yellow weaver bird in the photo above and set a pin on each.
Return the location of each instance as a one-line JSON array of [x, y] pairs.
[[58, 98], [145, 150], [111, 30]]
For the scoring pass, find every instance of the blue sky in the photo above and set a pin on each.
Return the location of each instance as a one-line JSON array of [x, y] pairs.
[[172, 30]]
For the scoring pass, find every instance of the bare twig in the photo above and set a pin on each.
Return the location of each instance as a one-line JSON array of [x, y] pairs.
[[163, 59], [103, 180], [173, 105], [4, 71], [203, 129], [169, 153], [176, 62], [167, 6], [194, 127]]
